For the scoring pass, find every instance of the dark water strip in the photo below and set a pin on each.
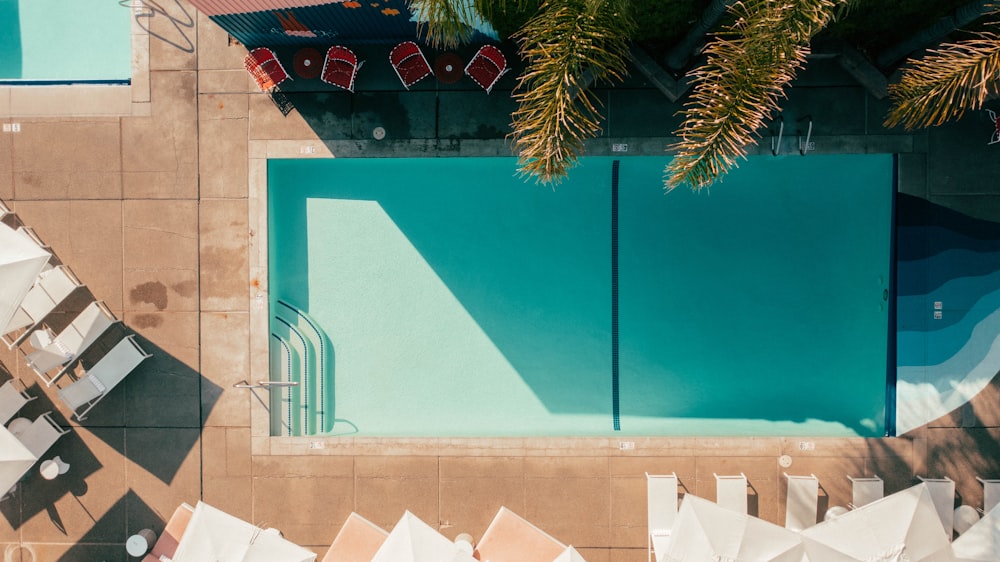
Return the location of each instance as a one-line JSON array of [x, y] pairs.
[[614, 297], [890, 352]]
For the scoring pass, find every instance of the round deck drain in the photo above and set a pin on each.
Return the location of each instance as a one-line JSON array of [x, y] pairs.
[[785, 461], [378, 133]]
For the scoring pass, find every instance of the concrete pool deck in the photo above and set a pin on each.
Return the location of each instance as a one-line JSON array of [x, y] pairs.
[[155, 214]]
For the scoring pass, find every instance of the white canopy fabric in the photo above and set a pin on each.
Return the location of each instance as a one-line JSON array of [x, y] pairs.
[[706, 531], [15, 460], [981, 543], [902, 526], [412, 540], [569, 555], [217, 536], [21, 260]]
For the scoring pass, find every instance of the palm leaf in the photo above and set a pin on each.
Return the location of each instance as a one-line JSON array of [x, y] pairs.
[[749, 65], [566, 45], [943, 85]]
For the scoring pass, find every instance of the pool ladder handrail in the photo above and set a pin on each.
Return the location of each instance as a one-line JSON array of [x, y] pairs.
[[776, 141], [265, 384], [803, 145]]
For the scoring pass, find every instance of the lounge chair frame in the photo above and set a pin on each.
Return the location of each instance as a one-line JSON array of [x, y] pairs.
[[991, 493], [865, 490], [731, 491], [801, 502], [943, 493], [52, 287], [86, 339], [13, 396], [103, 377], [41, 435], [661, 512]]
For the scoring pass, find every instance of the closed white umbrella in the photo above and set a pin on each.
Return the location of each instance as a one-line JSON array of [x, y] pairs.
[[706, 531], [981, 542], [214, 535], [412, 540], [569, 555], [21, 260], [15, 460], [902, 526]]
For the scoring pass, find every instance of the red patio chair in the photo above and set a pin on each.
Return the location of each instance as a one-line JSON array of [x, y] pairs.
[[263, 65], [410, 63], [486, 67], [340, 67]]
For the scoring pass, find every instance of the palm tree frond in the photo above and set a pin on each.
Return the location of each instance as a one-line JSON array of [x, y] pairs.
[[946, 83], [566, 46], [749, 64]]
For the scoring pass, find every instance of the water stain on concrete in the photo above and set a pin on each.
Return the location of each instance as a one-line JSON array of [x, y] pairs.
[[153, 292], [185, 288], [147, 320]]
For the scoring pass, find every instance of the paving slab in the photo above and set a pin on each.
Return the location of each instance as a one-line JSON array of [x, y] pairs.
[[160, 152], [66, 159], [224, 259], [225, 361]]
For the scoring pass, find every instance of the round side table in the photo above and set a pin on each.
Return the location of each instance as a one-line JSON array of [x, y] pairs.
[[448, 68], [49, 470], [139, 544], [308, 63]]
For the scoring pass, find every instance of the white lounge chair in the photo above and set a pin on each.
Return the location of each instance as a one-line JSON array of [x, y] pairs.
[[731, 492], [103, 377], [51, 288], [991, 493], [13, 396], [41, 435], [358, 539], [943, 493], [661, 512], [802, 501], [61, 351], [865, 490]]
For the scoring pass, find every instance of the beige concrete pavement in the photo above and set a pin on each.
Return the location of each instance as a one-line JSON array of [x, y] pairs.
[[154, 211]]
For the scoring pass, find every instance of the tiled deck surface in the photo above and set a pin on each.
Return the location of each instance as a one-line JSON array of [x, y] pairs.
[[154, 213]]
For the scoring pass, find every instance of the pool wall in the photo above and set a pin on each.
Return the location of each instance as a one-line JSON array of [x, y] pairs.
[[65, 42], [494, 298]]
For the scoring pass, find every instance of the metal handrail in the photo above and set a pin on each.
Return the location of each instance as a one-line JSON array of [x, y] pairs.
[[265, 384]]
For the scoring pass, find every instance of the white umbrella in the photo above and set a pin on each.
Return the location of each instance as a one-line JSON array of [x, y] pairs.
[[217, 536], [15, 460], [21, 260], [706, 531], [981, 542], [569, 555], [412, 540], [902, 526]]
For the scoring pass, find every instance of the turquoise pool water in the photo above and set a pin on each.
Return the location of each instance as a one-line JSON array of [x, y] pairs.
[[65, 41], [446, 297]]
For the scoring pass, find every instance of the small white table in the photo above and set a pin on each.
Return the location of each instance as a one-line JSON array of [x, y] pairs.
[[965, 516], [18, 425], [834, 512], [139, 544]]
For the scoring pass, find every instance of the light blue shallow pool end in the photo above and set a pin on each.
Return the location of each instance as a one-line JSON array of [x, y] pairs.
[[65, 41], [450, 298]]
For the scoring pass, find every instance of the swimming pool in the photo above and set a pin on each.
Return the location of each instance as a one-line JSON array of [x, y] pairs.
[[447, 297], [53, 41]]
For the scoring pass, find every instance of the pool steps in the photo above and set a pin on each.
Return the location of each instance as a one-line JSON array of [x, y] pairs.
[[299, 354]]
